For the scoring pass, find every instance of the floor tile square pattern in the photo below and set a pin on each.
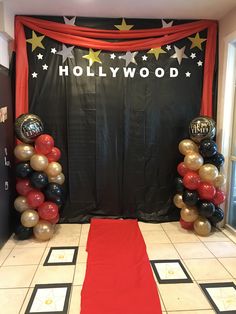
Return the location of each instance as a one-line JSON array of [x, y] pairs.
[[206, 260], [61, 256], [52, 298], [170, 271], [222, 296]]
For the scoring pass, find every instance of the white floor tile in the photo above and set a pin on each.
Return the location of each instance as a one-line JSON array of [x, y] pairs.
[[24, 256], [155, 237], [16, 276], [162, 251], [11, 300], [193, 250]]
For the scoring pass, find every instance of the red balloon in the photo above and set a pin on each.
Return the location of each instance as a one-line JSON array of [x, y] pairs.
[[23, 187], [206, 191], [219, 197], [182, 168], [44, 144], [55, 220], [35, 198], [186, 225], [54, 155], [191, 180], [48, 211]]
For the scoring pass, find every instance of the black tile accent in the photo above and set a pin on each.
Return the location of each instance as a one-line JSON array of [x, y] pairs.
[[161, 281], [48, 286], [75, 248], [217, 285]]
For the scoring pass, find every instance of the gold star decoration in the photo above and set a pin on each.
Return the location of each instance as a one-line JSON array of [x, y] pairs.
[[196, 41], [36, 41], [93, 56], [156, 51], [123, 26]]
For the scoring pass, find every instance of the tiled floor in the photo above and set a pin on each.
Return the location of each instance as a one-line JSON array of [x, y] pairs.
[[207, 260]]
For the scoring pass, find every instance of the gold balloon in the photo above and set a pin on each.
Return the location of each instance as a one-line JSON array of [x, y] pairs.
[[53, 169], [29, 218], [189, 214], [187, 146], [58, 179], [178, 201], [39, 162], [21, 204], [219, 180], [23, 152], [43, 231], [193, 161], [208, 172], [202, 226]]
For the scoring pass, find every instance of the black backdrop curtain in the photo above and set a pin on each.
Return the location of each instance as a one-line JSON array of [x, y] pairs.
[[118, 135]]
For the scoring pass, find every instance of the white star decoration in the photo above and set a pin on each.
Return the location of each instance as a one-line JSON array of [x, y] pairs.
[[199, 63], [179, 54], [53, 50], [40, 56], [193, 55], [45, 67], [129, 57], [66, 52], [112, 56], [144, 58], [164, 24], [168, 47], [34, 75], [69, 21], [188, 74]]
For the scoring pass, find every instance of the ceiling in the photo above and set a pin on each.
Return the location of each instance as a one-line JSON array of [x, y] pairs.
[[178, 9]]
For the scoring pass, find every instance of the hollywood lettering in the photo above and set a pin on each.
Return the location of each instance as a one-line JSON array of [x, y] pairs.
[[113, 72]]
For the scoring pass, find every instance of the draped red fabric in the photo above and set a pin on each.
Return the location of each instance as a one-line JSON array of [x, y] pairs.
[[118, 278], [94, 38]]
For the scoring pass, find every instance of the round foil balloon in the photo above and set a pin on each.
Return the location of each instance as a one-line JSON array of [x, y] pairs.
[[202, 226], [29, 218], [189, 214], [21, 204], [23, 170], [202, 128], [206, 209], [44, 144], [28, 127], [208, 148], [191, 180], [178, 201], [59, 179], [219, 180], [23, 152], [39, 180], [190, 198], [54, 155], [208, 173], [23, 233], [217, 216], [187, 146], [39, 162], [43, 231], [182, 169], [193, 161]]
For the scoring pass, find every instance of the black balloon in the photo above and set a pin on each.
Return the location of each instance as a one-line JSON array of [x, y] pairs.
[[206, 208], [28, 127], [207, 148], [217, 216], [216, 160], [59, 201], [39, 179], [53, 191], [190, 198], [202, 128], [179, 187], [23, 233], [23, 170]]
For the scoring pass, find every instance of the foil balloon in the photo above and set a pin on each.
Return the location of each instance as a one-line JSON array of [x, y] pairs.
[[201, 128], [28, 127]]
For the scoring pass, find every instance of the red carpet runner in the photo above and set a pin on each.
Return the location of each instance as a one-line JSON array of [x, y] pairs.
[[118, 278]]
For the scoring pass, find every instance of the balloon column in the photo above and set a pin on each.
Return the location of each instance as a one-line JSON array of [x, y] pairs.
[[199, 185], [39, 179]]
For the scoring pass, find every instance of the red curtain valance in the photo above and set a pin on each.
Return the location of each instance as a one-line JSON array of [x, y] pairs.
[[94, 38]]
